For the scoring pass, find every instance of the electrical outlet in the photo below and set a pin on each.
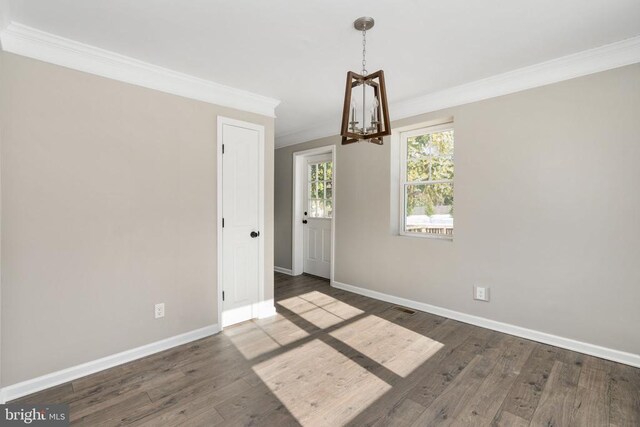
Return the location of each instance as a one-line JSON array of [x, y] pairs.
[[159, 310], [481, 293]]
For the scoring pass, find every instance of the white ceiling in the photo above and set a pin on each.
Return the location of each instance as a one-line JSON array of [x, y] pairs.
[[299, 51]]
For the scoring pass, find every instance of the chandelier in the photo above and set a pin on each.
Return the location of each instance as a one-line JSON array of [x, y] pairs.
[[365, 115]]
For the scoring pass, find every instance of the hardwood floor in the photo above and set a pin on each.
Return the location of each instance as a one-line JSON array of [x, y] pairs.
[[334, 358]]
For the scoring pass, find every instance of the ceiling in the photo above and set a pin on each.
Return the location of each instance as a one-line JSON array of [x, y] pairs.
[[299, 51]]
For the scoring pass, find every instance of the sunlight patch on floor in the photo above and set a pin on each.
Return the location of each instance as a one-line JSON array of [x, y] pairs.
[[297, 305], [332, 305], [251, 341], [310, 312], [396, 348], [342, 310], [318, 298], [316, 393], [281, 329]]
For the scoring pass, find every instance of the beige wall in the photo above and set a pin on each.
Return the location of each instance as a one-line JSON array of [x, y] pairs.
[[546, 204], [109, 206]]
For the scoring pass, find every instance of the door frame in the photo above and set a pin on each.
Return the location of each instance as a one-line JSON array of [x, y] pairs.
[[297, 229], [221, 121]]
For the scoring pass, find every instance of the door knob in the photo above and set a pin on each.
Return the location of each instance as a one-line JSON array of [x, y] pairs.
[[304, 221], [254, 234]]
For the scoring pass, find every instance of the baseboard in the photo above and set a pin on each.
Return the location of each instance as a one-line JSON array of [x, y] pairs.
[[25, 388], [283, 270], [543, 337], [266, 309], [258, 310]]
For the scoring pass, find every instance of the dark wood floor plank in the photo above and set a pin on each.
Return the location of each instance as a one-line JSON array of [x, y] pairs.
[[59, 394], [443, 373], [210, 380], [252, 406], [109, 415], [331, 357], [556, 404], [187, 403], [79, 408], [462, 401], [591, 407], [523, 397], [447, 406], [507, 419], [404, 413], [430, 387], [625, 396], [210, 417], [487, 401], [161, 362]]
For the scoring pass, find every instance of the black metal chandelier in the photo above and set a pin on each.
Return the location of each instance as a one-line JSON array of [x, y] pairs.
[[365, 115]]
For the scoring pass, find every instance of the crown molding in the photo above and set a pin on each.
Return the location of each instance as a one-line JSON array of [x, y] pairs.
[[26, 41], [300, 135], [614, 55]]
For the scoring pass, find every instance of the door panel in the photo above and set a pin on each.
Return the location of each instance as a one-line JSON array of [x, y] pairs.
[[326, 244], [312, 242], [241, 213]]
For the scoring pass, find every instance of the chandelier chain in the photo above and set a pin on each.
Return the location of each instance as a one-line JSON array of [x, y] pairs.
[[364, 52]]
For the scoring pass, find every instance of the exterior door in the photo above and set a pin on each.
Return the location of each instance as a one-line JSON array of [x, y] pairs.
[[241, 212], [317, 215]]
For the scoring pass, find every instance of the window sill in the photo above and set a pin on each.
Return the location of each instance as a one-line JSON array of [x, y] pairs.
[[426, 236]]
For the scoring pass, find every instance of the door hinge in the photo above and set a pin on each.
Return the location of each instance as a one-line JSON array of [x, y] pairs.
[[222, 222], [222, 295], [222, 148]]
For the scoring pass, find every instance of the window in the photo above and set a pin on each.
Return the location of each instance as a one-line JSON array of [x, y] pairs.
[[426, 181], [320, 189]]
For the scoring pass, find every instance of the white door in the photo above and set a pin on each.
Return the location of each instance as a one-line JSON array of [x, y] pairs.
[[318, 209], [241, 213]]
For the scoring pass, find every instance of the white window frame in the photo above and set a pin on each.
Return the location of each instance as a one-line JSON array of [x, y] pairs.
[[402, 209], [316, 160]]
